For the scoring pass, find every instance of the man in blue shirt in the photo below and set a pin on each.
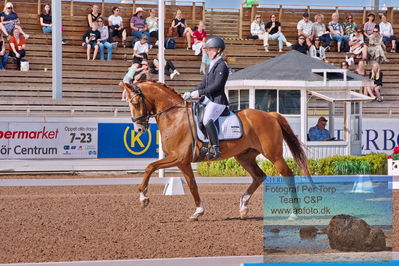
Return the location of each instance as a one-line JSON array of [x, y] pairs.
[[319, 131]]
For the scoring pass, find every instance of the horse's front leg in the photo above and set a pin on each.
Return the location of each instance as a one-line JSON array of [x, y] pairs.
[[151, 168]]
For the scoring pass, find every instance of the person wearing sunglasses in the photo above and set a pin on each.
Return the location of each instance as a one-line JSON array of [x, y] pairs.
[[317, 50], [273, 27], [258, 29], [10, 20], [386, 31], [301, 45], [115, 23], [357, 45], [376, 47], [349, 26], [104, 36]]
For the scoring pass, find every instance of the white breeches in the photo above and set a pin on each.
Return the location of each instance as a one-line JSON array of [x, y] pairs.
[[212, 110]]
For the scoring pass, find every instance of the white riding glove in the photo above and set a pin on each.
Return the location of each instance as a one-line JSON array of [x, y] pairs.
[[187, 95], [194, 94]]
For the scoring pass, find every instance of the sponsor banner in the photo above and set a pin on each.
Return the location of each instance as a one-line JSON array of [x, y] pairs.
[[48, 140], [121, 141]]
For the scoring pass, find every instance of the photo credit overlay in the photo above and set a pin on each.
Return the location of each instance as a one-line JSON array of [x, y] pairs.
[[317, 218]]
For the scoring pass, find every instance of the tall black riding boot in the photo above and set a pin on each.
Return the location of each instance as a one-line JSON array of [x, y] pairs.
[[213, 139]]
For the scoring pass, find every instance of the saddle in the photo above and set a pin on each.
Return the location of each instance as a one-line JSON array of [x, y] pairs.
[[228, 125]]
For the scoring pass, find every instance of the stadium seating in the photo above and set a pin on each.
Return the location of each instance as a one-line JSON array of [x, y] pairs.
[[90, 88]]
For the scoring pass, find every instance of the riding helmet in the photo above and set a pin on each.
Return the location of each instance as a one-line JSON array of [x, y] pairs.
[[215, 42]]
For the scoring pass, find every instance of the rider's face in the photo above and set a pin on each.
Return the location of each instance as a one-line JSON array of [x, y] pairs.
[[212, 52]]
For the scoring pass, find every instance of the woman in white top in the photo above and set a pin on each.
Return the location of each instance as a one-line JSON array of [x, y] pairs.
[[387, 32], [115, 23], [140, 50], [317, 50], [152, 24], [258, 29]]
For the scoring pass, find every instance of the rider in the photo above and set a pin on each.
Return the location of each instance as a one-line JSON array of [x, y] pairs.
[[211, 91]]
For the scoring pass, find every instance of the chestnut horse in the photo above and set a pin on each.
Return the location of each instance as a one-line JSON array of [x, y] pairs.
[[263, 133]]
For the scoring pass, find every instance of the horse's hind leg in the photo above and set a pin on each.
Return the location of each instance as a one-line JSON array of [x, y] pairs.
[[151, 168], [190, 179], [248, 161]]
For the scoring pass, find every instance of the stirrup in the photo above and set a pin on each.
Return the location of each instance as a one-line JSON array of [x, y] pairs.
[[215, 154]]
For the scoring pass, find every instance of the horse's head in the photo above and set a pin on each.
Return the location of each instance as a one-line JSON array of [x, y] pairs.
[[139, 110]]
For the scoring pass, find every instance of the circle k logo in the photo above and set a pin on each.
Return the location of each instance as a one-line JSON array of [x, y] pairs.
[[137, 143]]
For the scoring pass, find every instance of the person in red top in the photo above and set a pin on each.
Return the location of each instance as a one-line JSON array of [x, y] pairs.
[[199, 38], [17, 46]]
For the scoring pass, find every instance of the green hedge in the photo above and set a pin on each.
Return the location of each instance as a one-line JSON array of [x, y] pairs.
[[374, 164]]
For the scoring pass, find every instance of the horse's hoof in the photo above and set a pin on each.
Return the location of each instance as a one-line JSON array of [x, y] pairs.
[[144, 203], [193, 219], [243, 213]]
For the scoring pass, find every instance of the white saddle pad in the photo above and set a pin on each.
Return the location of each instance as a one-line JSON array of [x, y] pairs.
[[229, 128]]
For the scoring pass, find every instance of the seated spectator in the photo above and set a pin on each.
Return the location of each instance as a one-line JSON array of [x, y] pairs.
[[170, 69], [152, 25], [179, 24], [376, 75], [93, 15], [344, 65], [273, 27], [17, 46], [387, 32], [104, 36], [10, 20], [46, 21], [199, 38], [349, 26], [369, 26], [357, 45], [91, 39], [249, 3], [301, 46], [3, 54], [317, 50], [304, 28], [139, 26], [361, 68], [135, 73], [140, 50], [115, 23], [258, 29], [319, 30], [336, 31], [376, 47], [319, 131]]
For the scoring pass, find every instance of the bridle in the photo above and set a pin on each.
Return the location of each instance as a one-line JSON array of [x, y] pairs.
[[146, 114]]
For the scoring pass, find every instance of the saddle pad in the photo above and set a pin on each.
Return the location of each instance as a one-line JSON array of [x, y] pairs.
[[229, 128]]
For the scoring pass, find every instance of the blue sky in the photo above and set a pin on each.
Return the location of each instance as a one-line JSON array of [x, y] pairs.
[[236, 3]]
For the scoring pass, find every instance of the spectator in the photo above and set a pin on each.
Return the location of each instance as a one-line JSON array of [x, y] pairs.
[[139, 26], [336, 31], [91, 39], [361, 68], [273, 27], [46, 21], [179, 23], [258, 29], [17, 46], [115, 23], [319, 30], [3, 54], [170, 69], [349, 26], [357, 45], [319, 131], [369, 26], [249, 3], [375, 90], [140, 50], [152, 24], [344, 65], [135, 74], [387, 32], [301, 46], [304, 28], [104, 36], [317, 50], [376, 47], [10, 20], [199, 38], [205, 62], [93, 15]]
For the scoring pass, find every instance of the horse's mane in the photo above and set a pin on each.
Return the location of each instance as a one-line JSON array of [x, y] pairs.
[[163, 86]]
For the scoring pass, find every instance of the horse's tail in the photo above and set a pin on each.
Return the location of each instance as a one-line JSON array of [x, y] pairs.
[[293, 143]]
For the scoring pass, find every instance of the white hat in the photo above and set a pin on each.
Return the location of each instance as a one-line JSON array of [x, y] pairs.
[[139, 9]]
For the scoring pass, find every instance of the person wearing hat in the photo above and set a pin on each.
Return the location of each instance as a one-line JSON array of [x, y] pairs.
[[319, 131], [304, 28], [369, 26], [211, 91], [139, 26], [258, 29]]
